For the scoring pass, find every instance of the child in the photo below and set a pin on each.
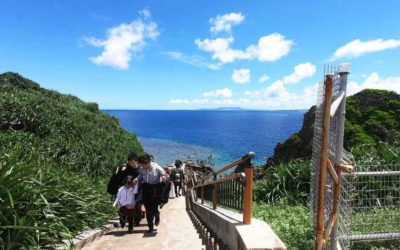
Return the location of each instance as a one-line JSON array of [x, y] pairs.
[[126, 199]]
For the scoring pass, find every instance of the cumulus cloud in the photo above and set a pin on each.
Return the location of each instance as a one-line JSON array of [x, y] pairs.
[[241, 76], [225, 92], [225, 22], [264, 78], [193, 60], [220, 49], [269, 48], [374, 81], [279, 98], [358, 48], [124, 40], [301, 71]]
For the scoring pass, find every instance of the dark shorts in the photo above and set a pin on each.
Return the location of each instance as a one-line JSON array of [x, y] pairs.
[[127, 212]]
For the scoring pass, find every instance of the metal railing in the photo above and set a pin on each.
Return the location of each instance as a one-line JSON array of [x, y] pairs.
[[376, 206], [233, 191], [330, 189]]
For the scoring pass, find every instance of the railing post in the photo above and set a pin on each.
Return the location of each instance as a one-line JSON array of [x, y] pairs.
[[323, 162], [214, 196], [248, 194], [202, 194], [340, 120]]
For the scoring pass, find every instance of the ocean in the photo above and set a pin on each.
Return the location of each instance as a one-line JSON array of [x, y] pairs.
[[218, 137]]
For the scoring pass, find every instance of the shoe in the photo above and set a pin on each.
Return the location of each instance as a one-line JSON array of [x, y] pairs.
[[130, 230], [122, 222], [150, 231], [157, 220]]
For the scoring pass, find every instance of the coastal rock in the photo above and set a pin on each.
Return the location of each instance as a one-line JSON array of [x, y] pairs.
[[372, 116]]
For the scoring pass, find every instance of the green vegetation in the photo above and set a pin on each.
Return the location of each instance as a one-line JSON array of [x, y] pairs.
[[372, 134], [291, 223], [372, 117], [286, 180], [56, 154]]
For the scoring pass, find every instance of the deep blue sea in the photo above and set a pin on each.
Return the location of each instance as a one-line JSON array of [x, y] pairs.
[[219, 136]]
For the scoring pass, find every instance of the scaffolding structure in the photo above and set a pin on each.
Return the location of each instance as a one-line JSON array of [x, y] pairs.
[[348, 203]]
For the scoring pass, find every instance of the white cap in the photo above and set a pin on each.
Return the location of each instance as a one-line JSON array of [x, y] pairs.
[[344, 68]]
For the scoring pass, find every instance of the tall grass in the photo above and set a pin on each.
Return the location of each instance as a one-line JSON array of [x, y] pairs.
[[290, 181], [42, 204]]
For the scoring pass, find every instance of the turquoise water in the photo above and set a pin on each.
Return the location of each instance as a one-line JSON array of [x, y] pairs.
[[218, 136]]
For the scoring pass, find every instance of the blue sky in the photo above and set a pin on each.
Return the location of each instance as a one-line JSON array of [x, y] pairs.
[[199, 54]]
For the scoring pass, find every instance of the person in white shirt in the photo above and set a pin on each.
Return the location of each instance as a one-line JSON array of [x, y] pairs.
[[126, 200], [150, 177]]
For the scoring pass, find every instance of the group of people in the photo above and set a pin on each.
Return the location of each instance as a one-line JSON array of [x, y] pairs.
[[140, 187]]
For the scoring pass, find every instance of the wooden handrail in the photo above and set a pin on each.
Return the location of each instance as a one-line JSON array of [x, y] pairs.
[[229, 177], [247, 157], [247, 184], [244, 158]]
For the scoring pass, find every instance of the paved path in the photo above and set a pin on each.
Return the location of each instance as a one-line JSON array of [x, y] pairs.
[[175, 232]]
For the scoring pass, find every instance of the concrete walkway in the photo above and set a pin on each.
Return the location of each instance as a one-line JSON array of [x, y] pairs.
[[175, 232]]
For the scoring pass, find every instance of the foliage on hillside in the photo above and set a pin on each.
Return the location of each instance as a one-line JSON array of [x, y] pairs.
[[71, 132], [56, 153], [372, 116], [281, 196]]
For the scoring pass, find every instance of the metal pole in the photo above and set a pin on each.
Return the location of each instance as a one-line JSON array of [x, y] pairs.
[[323, 161], [344, 70]]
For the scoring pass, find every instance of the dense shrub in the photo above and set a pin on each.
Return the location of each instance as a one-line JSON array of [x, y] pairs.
[[56, 154], [286, 180], [72, 133]]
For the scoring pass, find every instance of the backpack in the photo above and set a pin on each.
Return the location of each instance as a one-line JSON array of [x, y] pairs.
[[177, 176], [114, 182]]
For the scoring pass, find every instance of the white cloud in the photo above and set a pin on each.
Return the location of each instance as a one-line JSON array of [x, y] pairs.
[[264, 78], [219, 47], [225, 92], [241, 76], [358, 48], [145, 13], [373, 81], [188, 102], [193, 60], [225, 22], [269, 48], [124, 40], [278, 97], [252, 93], [301, 71]]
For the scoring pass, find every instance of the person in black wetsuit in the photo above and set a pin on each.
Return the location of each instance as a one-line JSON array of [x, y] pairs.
[[150, 177]]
